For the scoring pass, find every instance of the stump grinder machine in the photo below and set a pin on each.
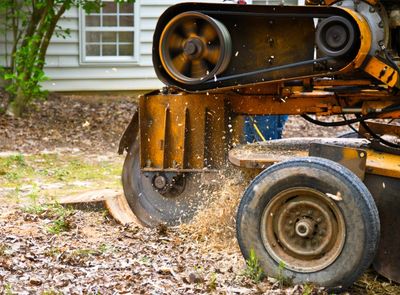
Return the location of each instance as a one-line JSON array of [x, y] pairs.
[[323, 208]]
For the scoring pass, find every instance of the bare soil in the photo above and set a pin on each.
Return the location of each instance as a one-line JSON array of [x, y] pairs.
[[95, 255]]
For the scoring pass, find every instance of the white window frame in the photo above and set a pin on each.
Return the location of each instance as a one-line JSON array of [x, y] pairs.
[[115, 60]]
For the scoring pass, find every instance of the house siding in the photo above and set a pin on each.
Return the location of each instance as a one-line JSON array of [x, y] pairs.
[[67, 73]]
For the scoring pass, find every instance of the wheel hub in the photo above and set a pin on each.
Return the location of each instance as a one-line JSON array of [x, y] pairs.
[[304, 229], [193, 48], [168, 185], [160, 182]]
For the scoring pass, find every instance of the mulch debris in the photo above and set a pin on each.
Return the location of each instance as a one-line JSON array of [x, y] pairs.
[[97, 255]]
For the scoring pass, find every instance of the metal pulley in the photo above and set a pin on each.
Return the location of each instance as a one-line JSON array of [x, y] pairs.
[[335, 36], [195, 47]]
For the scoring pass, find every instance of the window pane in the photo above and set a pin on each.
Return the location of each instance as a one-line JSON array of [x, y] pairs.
[[126, 21], [109, 50], [109, 7], [93, 50], [126, 37], [126, 8], [93, 20], [92, 37], [126, 50], [109, 20], [109, 37]]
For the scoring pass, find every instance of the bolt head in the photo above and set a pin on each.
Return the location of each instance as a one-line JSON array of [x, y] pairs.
[[160, 182]]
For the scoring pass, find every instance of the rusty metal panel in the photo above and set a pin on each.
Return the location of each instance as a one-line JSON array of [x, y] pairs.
[[385, 191], [288, 104], [264, 154], [182, 131], [259, 155], [130, 133], [380, 128], [353, 159], [153, 121]]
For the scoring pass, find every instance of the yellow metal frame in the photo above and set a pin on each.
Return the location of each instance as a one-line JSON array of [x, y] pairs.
[[365, 39], [182, 131]]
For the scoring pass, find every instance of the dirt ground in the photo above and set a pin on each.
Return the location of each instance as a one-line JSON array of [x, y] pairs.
[[68, 144]]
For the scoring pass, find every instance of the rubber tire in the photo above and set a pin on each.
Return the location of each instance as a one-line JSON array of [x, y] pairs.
[[173, 211], [358, 209]]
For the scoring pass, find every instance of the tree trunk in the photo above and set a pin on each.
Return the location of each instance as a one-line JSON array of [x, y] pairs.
[[19, 103]]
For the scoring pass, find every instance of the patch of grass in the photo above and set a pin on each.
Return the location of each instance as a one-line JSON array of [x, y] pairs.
[[212, 284], [8, 290], [61, 173], [11, 166], [35, 209], [53, 252], [51, 292], [253, 268], [13, 169], [103, 248], [62, 223], [59, 225], [61, 215], [307, 289], [44, 177], [145, 260], [33, 196], [18, 160], [20, 170], [53, 210], [85, 252], [12, 176], [282, 279]]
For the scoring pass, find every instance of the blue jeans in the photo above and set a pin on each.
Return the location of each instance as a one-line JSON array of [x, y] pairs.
[[270, 127]]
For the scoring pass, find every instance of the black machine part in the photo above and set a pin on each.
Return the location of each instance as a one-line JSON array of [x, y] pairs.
[[185, 56], [385, 191]]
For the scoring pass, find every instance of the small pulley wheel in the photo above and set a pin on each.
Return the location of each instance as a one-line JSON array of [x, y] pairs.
[[194, 48], [335, 36]]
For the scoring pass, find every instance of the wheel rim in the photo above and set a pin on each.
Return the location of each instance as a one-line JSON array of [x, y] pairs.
[[195, 48], [304, 229]]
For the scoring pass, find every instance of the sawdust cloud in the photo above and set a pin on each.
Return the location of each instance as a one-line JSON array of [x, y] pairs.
[[213, 227]]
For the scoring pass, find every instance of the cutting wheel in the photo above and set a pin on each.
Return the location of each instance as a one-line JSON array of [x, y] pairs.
[[159, 198]]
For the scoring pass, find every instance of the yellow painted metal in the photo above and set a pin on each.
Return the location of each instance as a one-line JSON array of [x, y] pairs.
[[187, 132], [316, 102], [365, 39], [262, 156], [182, 131], [384, 164], [382, 71]]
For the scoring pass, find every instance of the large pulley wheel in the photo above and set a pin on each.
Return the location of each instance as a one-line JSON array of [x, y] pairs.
[[156, 198], [335, 36], [314, 217], [194, 48]]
